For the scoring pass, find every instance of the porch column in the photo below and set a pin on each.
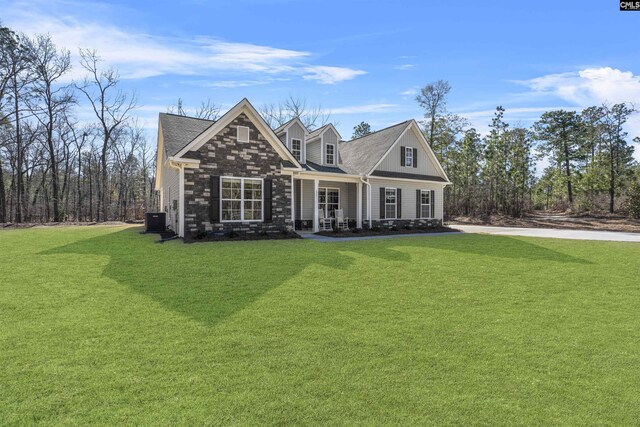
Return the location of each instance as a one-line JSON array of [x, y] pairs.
[[369, 203], [359, 220], [181, 202], [316, 219], [293, 204]]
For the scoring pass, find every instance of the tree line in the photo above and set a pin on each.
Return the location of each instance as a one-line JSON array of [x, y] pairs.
[[589, 156], [54, 166]]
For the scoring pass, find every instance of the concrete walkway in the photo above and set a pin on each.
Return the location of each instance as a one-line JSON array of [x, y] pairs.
[[613, 236], [325, 239]]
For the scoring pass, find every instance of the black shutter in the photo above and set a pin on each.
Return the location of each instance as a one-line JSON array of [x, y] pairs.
[[382, 200], [415, 157], [432, 200], [402, 156], [398, 203], [418, 203], [214, 200], [268, 209]]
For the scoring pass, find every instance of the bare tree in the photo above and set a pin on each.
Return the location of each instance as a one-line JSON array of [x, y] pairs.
[[312, 116], [207, 110], [111, 107], [18, 61], [432, 98], [49, 104]]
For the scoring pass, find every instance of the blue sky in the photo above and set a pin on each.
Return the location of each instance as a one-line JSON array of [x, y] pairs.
[[362, 60]]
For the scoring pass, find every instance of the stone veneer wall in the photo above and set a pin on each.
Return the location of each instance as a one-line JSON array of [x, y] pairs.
[[401, 223], [223, 155]]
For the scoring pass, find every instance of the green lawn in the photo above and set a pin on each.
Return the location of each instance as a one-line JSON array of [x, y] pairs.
[[100, 325]]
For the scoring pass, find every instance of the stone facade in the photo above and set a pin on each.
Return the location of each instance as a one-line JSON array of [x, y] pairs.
[[223, 155], [402, 223]]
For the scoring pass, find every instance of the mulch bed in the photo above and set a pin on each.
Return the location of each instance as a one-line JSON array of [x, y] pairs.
[[243, 237], [386, 232]]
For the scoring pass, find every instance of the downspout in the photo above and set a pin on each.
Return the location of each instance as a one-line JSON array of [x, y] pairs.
[[368, 199]]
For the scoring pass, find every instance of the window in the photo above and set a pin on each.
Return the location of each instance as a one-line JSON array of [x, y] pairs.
[[408, 156], [241, 199], [243, 134], [329, 154], [425, 204], [390, 203], [296, 148], [329, 201]]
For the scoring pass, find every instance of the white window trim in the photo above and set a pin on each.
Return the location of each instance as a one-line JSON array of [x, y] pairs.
[[238, 133], [326, 146], [395, 204], [428, 204], [242, 199], [408, 154], [293, 152], [325, 203]]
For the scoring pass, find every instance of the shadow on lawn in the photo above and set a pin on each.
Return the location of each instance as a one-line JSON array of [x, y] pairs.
[[497, 247], [209, 282]]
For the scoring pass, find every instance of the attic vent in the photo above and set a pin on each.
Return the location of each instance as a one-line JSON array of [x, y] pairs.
[[243, 134]]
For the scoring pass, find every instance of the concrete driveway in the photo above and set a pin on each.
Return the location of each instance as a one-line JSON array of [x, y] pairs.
[[613, 236]]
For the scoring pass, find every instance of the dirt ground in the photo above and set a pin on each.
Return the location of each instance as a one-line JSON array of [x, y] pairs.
[[586, 221]]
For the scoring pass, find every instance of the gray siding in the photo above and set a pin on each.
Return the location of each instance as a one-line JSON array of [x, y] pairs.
[[330, 137], [296, 131], [408, 197], [426, 165], [170, 193], [313, 152]]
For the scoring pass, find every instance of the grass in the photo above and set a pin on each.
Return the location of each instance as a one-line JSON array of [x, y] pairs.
[[99, 325]]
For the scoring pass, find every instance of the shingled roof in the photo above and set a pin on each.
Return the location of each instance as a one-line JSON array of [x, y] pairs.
[[178, 131], [360, 155]]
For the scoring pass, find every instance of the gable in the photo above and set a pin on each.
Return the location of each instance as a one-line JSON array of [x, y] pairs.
[[295, 131], [426, 163], [253, 117], [229, 155]]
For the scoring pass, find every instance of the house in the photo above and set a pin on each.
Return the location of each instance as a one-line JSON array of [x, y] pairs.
[[239, 174]]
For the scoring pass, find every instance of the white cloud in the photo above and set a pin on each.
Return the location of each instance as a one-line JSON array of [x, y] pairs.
[[330, 75], [363, 109], [590, 86], [404, 67], [412, 91], [139, 55]]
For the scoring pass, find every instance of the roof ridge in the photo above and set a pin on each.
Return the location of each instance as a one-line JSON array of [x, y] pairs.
[[378, 131], [188, 117]]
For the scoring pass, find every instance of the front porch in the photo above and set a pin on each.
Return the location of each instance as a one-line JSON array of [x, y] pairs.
[[315, 199]]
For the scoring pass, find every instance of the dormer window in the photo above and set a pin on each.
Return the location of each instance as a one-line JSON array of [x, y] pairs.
[[330, 154], [296, 149], [243, 134]]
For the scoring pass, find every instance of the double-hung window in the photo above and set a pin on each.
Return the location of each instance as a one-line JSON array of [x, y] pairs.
[[241, 199], [296, 148], [425, 204], [408, 157], [329, 157], [390, 203], [329, 201]]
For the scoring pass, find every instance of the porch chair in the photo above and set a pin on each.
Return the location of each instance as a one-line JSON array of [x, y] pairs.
[[341, 222], [324, 222]]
